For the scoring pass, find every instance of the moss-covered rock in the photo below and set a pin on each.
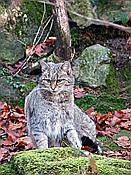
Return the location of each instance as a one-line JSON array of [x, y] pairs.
[[63, 161], [10, 48], [112, 81], [81, 7], [92, 67], [6, 169], [114, 10]]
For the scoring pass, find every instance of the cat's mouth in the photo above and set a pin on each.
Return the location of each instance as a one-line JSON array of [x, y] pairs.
[[55, 91]]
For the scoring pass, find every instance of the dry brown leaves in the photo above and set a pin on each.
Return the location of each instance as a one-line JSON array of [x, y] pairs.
[[13, 131], [38, 50], [110, 124]]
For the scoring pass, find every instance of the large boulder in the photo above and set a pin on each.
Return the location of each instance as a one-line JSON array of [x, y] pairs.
[[92, 67], [62, 161], [84, 8], [114, 10]]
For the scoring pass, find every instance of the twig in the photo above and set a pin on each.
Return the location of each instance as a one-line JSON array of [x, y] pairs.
[[43, 30], [95, 21], [29, 57], [21, 42], [34, 42], [102, 22], [49, 30]]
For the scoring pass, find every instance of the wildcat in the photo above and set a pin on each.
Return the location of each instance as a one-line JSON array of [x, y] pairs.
[[51, 113]]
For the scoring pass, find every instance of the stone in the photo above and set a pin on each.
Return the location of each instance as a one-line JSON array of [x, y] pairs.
[[10, 48], [63, 161], [84, 8], [92, 67], [114, 11]]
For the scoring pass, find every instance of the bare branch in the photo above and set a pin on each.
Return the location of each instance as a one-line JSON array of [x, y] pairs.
[[95, 21], [29, 57], [102, 22], [43, 30], [49, 30], [34, 42]]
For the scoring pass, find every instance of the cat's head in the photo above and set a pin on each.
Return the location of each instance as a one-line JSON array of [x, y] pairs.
[[56, 77]]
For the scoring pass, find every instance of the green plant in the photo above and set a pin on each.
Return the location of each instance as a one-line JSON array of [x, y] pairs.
[[75, 36], [103, 103]]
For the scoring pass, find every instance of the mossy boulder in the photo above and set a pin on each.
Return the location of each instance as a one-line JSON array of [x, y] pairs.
[[61, 161], [81, 7], [6, 169], [114, 10], [10, 48], [93, 65]]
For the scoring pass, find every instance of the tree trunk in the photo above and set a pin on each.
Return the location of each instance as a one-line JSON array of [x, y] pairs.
[[63, 44]]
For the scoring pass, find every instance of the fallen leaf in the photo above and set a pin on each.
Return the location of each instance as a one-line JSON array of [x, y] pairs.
[[124, 142], [79, 92]]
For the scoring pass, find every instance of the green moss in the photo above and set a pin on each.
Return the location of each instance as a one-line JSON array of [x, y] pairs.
[[28, 86], [64, 161], [103, 103], [29, 19], [6, 169], [87, 101], [112, 82], [106, 103], [126, 72], [108, 143], [75, 36], [112, 170], [34, 9]]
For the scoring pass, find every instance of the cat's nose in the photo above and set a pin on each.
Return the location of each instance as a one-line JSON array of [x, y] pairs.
[[53, 85]]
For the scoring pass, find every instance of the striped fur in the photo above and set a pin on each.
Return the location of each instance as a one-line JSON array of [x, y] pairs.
[[51, 113]]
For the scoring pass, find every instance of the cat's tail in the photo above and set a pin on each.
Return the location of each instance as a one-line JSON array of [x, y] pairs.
[[95, 146]]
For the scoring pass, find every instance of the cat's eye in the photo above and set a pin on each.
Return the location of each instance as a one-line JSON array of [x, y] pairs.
[[61, 80], [47, 80]]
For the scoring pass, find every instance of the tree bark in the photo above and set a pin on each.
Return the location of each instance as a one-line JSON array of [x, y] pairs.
[[63, 44]]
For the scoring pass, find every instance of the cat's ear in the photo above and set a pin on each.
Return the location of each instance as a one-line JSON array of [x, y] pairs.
[[44, 65], [66, 67]]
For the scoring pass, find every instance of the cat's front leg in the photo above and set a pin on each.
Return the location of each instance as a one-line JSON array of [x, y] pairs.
[[40, 139], [73, 139]]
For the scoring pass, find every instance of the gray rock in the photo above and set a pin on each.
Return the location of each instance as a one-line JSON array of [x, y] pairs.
[[82, 7], [114, 10], [10, 48], [92, 67]]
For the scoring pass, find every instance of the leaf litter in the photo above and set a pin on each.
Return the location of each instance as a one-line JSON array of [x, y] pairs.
[[13, 130]]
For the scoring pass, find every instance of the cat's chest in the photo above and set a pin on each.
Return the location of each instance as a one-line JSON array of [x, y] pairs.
[[63, 97]]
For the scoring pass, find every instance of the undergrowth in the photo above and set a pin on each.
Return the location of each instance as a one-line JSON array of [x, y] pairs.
[[103, 103]]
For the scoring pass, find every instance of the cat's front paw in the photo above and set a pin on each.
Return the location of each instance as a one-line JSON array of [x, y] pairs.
[[72, 137]]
